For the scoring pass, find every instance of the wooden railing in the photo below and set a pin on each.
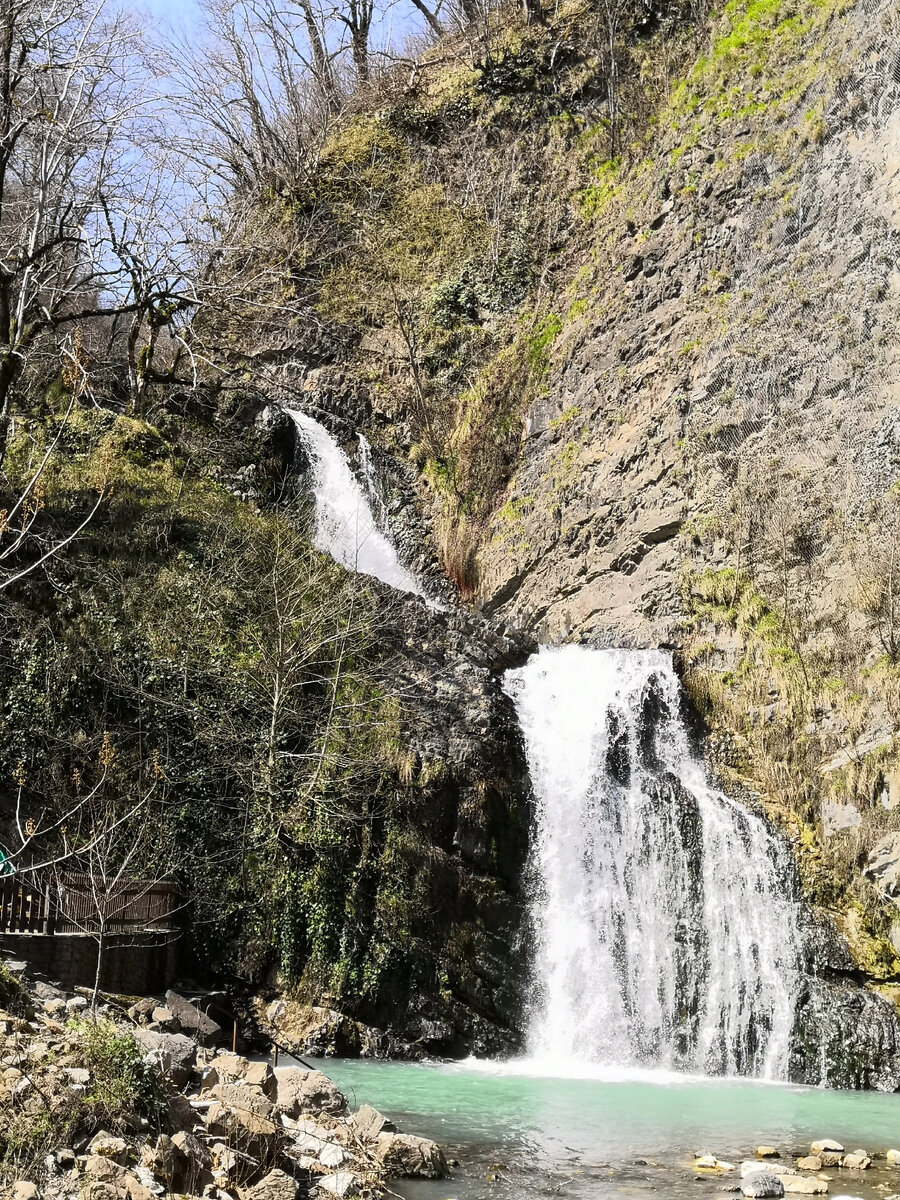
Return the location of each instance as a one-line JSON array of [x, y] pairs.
[[69, 903], [24, 907]]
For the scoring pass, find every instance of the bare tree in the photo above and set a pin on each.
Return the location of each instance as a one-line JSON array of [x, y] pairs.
[[71, 110], [356, 16], [113, 875], [99, 853], [25, 546], [255, 93]]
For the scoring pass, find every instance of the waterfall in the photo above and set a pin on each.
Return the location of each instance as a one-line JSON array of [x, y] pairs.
[[370, 478], [345, 525], [664, 913]]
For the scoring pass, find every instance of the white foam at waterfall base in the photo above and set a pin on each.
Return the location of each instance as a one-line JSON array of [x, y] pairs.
[[664, 913], [345, 526]]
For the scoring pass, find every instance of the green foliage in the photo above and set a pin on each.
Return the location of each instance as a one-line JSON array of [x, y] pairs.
[[123, 1096], [124, 1089], [13, 997], [162, 631], [401, 236], [762, 59], [539, 342], [605, 186]]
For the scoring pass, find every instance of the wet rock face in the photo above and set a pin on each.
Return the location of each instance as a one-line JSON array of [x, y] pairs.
[[845, 1036], [471, 983]]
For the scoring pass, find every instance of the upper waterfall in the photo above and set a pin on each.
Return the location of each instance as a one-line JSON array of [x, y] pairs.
[[664, 913], [345, 525]]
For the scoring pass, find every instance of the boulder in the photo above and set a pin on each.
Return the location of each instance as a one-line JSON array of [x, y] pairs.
[[831, 1158], [191, 1149], [98, 1167], [242, 1098], [404, 1156], [760, 1185], [227, 1067], [275, 1186], [223, 1157], [23, 1189], [857, 1161], [812, 1162], [261, 1075], [369, 1122], [893, 1157], [310, 1029], [135, 1189], [140, 1011], [100, 1189], [201, 1028], [108, 1146], [750, 1166], [163, 1160], [250, 1134], [331, 1155], [803, 1185], [828, 1144], [299, 1090], [215, 1118], [166, 1020], [312, 1137], [145, 1178], [173, 1054], [181, 1112], [342, 1183], [767, 1152]]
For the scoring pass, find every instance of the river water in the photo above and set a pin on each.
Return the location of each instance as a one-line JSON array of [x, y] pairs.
[[611, 1133]]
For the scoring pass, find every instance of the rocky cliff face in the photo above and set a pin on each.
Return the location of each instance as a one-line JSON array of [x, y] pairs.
[[469, 967], [691, 443], [713, 464], [737, 334]]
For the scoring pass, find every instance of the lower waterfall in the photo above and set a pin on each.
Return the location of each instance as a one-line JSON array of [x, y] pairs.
[[664, 914]]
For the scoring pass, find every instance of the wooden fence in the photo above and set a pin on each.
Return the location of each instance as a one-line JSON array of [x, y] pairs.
[[24, 907], [69, 903]]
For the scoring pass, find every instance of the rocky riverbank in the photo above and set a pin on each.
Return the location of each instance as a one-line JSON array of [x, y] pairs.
[[142, 1104], [769, 1174]]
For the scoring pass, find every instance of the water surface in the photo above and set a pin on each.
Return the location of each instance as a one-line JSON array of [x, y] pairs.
[[610, 1133]]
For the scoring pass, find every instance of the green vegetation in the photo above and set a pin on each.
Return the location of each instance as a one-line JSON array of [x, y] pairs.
[[234, 674], [765, 715], [13, 999], [123, 1095]]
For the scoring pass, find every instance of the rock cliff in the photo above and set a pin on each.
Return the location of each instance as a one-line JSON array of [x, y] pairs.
[[690, 421]]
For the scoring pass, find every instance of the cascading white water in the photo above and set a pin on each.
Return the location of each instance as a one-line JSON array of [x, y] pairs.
[[664, 913], [370, 478], [345, 526]]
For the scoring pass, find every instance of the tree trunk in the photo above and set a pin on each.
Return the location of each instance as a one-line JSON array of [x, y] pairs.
[[359, 49], [101, 949], [436, 27]]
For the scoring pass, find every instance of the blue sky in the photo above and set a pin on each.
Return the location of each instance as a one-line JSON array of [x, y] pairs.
[[177, 12]]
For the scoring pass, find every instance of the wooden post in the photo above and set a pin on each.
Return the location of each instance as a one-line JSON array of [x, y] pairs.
[[234, 1039]]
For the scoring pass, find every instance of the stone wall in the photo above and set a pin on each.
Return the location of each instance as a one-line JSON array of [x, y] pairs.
[[71, 960]]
